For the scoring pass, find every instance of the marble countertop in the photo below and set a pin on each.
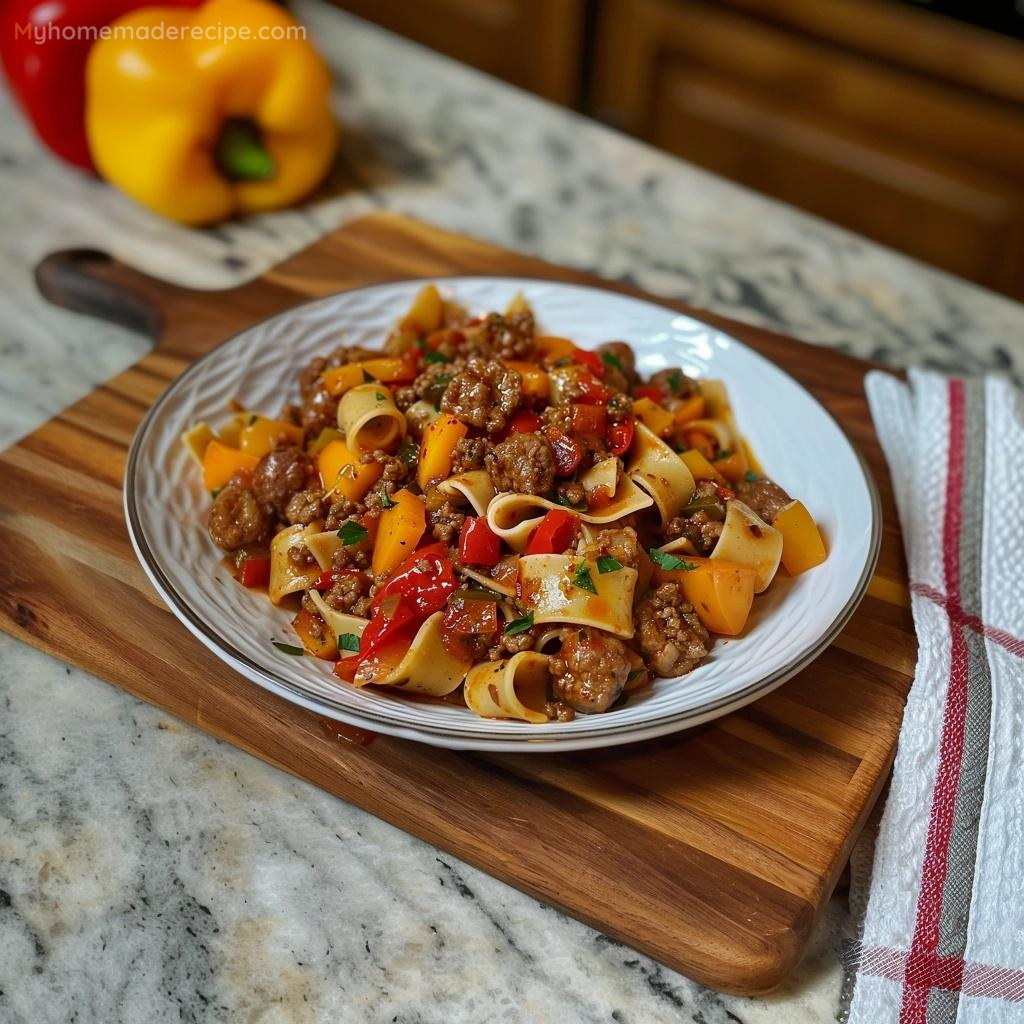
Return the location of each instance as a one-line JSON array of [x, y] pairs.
[[150, 873]]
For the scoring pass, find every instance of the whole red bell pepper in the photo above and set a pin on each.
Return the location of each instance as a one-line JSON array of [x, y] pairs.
[[43, 47]]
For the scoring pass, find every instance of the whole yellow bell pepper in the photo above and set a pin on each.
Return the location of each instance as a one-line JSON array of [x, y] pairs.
[[205, 114]]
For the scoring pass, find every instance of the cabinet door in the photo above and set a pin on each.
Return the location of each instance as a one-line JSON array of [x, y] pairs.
[[910, 162], [535, 44]]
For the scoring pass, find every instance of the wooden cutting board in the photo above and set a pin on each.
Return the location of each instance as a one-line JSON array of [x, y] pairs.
[[713, 851]]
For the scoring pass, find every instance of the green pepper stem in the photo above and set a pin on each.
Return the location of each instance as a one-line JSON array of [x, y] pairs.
[[241, 155]]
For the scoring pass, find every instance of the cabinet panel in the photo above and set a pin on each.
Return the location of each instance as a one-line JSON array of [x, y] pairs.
[[917, 164], [535, 44]]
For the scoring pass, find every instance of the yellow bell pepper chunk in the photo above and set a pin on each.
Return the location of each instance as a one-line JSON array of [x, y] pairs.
[[399, 531], [262, 434], [536, 383], [342, 378], [721, 592], [655, 417], [342, 473], [700, 467], [439, 441], [323, 439], [550, 347], [221, 463], [802, 546], [732, 467], [689, 409], [225, 111], [426, 311]]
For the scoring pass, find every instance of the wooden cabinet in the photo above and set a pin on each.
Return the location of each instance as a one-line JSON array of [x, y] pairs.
[[895, 122], [535, 44], [924, 164]]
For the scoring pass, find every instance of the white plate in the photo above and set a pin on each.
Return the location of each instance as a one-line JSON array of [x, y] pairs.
[[798, 443]]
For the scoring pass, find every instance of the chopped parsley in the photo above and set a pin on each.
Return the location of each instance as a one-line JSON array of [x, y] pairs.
[[348, 642], [608, 564], [667, 561], [252, 419], [609, 360], [634, 673], [215, 492], [368, 378], [520, 625], [725, 453], [352, 533], [751, 477], [436, 357], [583, 580], [385, 500], [291, 649], [675, 381], [380, 397]]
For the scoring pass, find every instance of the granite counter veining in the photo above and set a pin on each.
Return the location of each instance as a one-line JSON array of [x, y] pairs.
[[149, 873]]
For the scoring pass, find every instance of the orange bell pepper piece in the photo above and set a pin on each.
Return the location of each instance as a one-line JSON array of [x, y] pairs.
[[221, 463]]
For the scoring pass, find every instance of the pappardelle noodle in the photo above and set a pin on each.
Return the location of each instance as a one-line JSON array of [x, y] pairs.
[[488, 514]]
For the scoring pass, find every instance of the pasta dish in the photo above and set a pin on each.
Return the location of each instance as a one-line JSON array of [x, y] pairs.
[[487, 514]]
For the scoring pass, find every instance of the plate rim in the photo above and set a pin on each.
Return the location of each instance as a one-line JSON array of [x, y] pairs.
[[435, 736]]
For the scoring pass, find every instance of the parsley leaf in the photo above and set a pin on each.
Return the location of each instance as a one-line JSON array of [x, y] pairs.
[[751, 477], [725, 453], [436, 357], [352, 533], [583, 580], [634, 673], [520, 625], [348, 642], [252, 419], [667, 561], [380, 397], [609, 360], [385, 500], [675, 380], [215, 492], [608, 564], [291, 649], [368, 378]]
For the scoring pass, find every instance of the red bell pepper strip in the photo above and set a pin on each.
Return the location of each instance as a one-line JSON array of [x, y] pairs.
[[44, 45], [591, 360], [478, 544], [620, 436], [568, 454], [556, 532], [651, 391], [425, 590], [525, 422], [592, 390], [589, 419], [254, 572]]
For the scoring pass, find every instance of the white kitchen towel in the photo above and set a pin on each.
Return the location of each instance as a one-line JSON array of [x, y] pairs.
[[942, 936]]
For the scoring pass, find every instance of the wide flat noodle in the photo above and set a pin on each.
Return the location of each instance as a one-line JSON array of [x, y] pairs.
[[513, 517], [550, 588], [504, 589], [369, 418], [322, 547], [426, 667], [285, 576], [514, 687], [748, 539], [474, 487], [660, 472], [339, 623]]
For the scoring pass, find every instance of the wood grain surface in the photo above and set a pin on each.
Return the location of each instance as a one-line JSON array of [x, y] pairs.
[[714, 850]]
